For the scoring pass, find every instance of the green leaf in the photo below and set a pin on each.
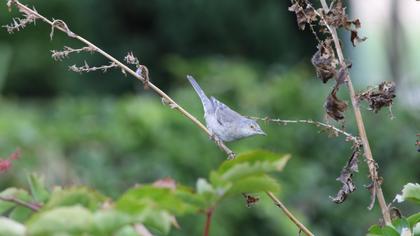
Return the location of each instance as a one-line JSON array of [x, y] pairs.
[[374, 230], [252, 163], [106, 222], [17, 212], [389, 231], [126, 231], [83, 196], [13, 192], [9, 227], [159, 221], [138, 199], [203, 186], [400, 224], [38, 189], [410, 192], [254, 184], [72, 220], [414, 219], [21, 214]]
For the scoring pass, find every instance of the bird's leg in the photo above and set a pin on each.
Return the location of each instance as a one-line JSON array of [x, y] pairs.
[[221, 144]]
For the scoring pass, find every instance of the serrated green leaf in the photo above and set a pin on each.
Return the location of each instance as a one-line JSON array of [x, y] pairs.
[[126, 231], [203, 186], [252, 163], [38, 190], [400, 224], [13, 192], [254, 184], [410, 192], [21, 214], [389, 231], [136, 200], [416, 229], [17, 212], [159, 221], [375, 230], [83, 196], [10, 227], [72, 220], [414, 219], [106, 222]]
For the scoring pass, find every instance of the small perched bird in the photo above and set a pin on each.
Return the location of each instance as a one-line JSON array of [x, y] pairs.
[[224, 123]]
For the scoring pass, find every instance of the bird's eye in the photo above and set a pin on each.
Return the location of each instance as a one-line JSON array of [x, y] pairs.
[[252, 127]]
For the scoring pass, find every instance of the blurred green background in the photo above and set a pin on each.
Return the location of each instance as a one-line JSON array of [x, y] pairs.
[[105, 131]]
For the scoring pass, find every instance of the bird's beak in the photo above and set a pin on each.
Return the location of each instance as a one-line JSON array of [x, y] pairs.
[[262, 132]]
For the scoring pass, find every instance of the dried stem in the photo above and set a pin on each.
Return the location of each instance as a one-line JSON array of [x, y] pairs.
[[33, 207], [336, 131], [289, 214], [60, 25], [360, 124]]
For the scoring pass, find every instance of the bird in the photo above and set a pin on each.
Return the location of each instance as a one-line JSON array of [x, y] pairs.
[[224, 123]]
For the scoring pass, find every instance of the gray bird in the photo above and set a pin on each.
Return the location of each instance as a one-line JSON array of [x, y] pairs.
[[224, 123]]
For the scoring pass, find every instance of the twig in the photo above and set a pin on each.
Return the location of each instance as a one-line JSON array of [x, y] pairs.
[[33, 207], [360, 125], [356, 140], [289, 214], [60, 25], [209, 214]]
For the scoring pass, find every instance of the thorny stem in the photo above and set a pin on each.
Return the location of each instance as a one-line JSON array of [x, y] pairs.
[[289, 214], [209, 214], [360, 125], [62, 27], [356, 140], [33, 207]]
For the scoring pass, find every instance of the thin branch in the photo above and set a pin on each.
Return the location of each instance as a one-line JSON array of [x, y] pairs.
[[289, 214], [360, 124], [209, 214], [33, 207], [336, 131], [60, 25]]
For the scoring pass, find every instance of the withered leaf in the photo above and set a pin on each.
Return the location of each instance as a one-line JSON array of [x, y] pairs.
[[324, 61], [304, 13], [334, 106], [346, 178], [382, 97], [355, 39]]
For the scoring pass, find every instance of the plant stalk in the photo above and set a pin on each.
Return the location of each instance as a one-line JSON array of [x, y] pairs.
[[361, 126], [289, 214]]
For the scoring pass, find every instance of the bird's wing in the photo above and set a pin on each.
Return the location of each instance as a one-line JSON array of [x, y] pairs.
[[223, 113]]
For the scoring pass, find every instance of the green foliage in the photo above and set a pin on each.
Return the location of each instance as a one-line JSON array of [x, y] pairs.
[[9, 227], [82, 211], [410, 192], [403, 225]]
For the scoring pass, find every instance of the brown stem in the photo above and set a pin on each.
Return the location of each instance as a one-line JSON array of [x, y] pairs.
[[33, 207], [289, 214], [209, 214], [360, 125], [62, 27]]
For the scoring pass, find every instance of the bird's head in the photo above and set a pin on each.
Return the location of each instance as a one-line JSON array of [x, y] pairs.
[[251, 127]]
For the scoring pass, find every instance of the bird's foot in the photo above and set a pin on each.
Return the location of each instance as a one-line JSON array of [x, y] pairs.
[[221, 144]]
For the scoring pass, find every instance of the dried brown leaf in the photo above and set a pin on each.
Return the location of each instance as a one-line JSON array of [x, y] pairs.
[[346, 178], [355, 39], [383, 96], [334, 106], [325, 61]]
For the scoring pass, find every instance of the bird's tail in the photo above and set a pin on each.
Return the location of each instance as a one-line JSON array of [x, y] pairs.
[[207, 104]]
